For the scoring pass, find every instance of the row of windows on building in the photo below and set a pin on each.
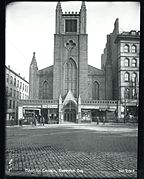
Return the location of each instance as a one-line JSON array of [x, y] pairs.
[[133, 48], [133, 62], [133, 77], [16, 94], [12, 104], [16, 83]]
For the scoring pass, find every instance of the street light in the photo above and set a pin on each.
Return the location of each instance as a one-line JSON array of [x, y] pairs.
[[125, 98]]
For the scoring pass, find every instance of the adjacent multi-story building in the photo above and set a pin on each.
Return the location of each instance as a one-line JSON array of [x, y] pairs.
[[16, 88], [122, 56]]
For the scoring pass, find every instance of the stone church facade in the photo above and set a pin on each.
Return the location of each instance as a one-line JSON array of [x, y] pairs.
[[70, 70], [70, 89]]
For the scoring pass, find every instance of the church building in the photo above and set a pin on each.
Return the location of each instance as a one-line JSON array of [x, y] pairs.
[[70, 90]]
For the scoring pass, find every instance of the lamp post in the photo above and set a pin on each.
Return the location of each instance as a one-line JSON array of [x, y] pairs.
[[125, 105]]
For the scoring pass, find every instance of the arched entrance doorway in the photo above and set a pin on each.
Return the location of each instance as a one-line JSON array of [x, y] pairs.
[[70, 112]]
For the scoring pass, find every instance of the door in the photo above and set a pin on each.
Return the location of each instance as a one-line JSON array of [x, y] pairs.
[[70, 113]]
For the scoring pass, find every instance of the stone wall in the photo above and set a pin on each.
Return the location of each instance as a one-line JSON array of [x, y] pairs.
[[46, 75]]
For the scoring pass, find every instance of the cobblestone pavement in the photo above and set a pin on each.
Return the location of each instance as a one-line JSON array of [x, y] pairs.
[[65, 152]]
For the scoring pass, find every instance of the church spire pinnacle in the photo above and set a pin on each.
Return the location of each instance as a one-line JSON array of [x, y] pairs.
[[33, 62], [83, 6], [58, 5]]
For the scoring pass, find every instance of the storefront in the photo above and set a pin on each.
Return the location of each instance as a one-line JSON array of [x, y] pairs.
[[68, 110]]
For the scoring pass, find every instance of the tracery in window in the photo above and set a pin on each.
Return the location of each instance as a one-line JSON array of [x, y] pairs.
[[70, 45], [95, 90], [45, 89], [70, 72]]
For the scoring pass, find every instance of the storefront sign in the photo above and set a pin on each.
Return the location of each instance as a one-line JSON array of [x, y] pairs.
[[89, 107], [27, 106], [44, 106], [52, 106]]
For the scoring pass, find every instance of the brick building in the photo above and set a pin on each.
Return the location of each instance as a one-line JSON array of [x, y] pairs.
[[16, 88], [71, 90], [121, 55]]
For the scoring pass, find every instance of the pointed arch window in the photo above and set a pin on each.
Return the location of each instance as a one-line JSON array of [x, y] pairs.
[[45, 90], [70, 76], [95, 90], [134, 62], [126, 62], [133, 49], [126, 48], [126, 77]]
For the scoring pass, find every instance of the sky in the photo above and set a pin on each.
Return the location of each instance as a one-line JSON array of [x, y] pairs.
[[30, 27]]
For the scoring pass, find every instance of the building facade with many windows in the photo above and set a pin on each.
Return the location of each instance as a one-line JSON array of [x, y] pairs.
[[122, 56], [16, 88], [71, 90]]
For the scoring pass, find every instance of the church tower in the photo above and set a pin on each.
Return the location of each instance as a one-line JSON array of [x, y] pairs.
[[33, 79], [70, 54]]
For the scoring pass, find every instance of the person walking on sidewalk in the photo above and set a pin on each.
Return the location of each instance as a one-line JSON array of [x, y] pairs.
[[43, 120]]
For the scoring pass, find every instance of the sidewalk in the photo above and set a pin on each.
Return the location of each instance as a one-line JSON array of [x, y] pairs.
[[107, 127]]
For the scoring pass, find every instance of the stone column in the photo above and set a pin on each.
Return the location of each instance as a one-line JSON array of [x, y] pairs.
[[20, 113], [79, 109], [60, 110], [119, 110]]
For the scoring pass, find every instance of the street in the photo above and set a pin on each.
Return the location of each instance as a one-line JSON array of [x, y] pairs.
[[72, 150]]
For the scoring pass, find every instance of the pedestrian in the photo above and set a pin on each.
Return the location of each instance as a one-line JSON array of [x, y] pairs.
[[97, 120], [103, 120], [43, 120]]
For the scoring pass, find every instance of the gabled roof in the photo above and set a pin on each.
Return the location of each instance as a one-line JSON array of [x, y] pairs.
[[69, 97], [94, 71], [47, 69]]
